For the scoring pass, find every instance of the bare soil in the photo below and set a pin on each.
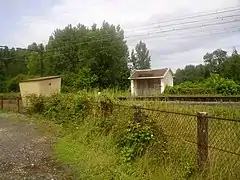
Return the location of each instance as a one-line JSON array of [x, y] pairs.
[[25, 153]]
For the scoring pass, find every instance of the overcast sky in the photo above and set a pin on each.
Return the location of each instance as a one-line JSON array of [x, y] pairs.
[[26, 21]]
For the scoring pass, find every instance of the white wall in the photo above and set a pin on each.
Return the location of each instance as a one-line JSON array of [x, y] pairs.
[[132, 88], [167, 81]]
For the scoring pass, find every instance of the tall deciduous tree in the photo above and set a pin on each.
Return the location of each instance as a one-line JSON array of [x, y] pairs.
[[215, 59], [140, 58], [103, 50]]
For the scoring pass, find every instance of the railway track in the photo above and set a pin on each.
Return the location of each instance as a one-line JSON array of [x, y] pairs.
[[179, 99], [219, 99]]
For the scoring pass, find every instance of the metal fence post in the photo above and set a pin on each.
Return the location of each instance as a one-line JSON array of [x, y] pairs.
[[1, 98], [202, 140]]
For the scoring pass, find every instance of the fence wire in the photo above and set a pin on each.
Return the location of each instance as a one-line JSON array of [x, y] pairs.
[[181, 130], [223, 140]]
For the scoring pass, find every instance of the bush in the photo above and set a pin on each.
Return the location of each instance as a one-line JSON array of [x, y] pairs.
[[73, 82], [213, 85], [140, 136], [188, 91], [37, 104], [12, 85], [133, 135]]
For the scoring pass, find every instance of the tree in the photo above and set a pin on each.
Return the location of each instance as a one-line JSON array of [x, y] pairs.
[[235, 52], [230, 67], [215, 59], [102, 50], [35, 59], [141, 59], [191, 73]]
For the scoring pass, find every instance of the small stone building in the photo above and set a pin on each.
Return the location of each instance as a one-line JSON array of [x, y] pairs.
[[149, 82], [39, 86]]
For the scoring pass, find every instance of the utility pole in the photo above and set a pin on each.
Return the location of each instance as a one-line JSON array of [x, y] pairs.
[[41, 63], [41, 50]]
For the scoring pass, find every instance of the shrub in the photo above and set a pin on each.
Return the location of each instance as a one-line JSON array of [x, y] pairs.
[[37, 104], [73, 82], [12, 85], [213, 85]]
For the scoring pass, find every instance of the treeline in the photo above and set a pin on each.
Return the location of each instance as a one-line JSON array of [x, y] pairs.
[[218, 75], [217, 62], [86, 57]]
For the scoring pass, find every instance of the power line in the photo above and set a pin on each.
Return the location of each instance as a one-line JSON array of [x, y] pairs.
[[189, 22], [195, 32], [237, 45], [157, 32], [146, 37], [187, 28], [195, 15]]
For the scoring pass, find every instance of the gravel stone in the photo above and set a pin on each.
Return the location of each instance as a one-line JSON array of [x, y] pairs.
[[26, 154]]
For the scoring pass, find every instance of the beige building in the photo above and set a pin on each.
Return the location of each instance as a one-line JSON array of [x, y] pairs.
[[39, 86], [149, 82]]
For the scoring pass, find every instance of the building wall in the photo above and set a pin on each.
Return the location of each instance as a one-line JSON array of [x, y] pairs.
[[28, 88], [146, 87], [42, 87], [133, 91], [50, 86], [166, 81]]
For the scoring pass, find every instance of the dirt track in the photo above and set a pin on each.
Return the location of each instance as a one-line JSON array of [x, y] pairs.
[[25, 153]]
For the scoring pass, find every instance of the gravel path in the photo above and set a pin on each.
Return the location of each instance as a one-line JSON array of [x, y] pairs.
[[26, 154]]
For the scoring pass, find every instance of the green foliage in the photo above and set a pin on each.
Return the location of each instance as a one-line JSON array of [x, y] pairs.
[[191, 73], [100, 53], [37, 104], [134, 136], [12, 68], [141, 58], [135, 141], [12, 84], [103, 141], [215, 84], [188, 91], [75, 82], [216, 62], [222, 86], [87, 58]]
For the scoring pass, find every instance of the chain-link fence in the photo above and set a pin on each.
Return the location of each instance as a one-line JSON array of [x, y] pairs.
[[196, 143]]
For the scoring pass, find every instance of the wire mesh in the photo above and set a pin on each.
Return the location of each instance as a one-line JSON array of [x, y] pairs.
[[180, 129], [179, 124], [224, 147]]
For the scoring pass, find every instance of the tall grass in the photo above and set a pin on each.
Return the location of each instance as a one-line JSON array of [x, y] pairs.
[[116, 144]]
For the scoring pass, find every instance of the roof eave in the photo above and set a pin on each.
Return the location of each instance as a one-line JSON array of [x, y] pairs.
[[139, 78]]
